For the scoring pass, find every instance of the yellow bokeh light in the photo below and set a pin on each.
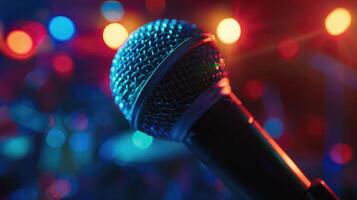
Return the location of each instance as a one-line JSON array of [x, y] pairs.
[[338, 21], [114, 35], [19, 42], [228, 30]]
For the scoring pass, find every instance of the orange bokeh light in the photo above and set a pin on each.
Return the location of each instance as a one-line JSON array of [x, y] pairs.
[[338, 21], [114, 35], [19, 44], [228, 30]]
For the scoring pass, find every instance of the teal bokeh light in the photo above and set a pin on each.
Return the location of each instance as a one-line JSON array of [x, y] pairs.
[[122, 150], [16, 147], [142, 140], [61, 28]]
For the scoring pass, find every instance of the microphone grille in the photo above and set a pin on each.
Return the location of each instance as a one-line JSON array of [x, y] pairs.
[[141, 54], [194, 73]]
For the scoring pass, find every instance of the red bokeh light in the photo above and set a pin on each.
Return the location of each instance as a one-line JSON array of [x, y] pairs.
[[315, 125], [36, 30], [63, 64], [59, 189], [341, 153], [288, 48], [253, 89]]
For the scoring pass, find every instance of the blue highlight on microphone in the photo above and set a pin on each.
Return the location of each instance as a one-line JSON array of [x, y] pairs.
[[61, 28]]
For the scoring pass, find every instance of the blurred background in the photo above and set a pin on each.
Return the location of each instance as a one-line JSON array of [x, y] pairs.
[[293, 63]]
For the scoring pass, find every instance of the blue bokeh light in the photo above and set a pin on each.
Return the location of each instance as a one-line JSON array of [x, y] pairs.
[[112, 10], [142, 140], [55, 138], [16, 147], [61, 28], [80, 142], [274, 126]]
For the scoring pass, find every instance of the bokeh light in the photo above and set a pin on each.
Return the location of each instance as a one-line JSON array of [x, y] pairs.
[[78, 121], [55, 138], [338, 21], [142, 140], [228, 30], [274, 126], [315, 125], [341, 153], [122, 150], [1, 35], [253, 89], [16, 147], [80, 142], [59, 189], [61, 28], [19, 43], [63, 64], [36, 30], [112, 10], [114, 35], [288, 48]]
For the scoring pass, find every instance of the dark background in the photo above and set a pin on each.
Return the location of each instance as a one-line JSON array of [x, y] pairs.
[[306, 101]]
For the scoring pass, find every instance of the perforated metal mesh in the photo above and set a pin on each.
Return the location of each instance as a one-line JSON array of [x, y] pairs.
[[194, 73], [142, 53]]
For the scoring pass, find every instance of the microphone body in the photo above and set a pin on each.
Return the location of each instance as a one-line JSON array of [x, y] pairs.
[[233, 145], [169, 81]]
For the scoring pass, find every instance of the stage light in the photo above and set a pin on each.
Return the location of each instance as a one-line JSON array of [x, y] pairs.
[[253, 89], [338, 21], [341, 153], [155, 7], [55, 138], [114, 35], [288, 48], [142, 140], [61, 28], [19, 43], [274, 126], [63, 64], [228, 30], [16, 147], [112, 10]]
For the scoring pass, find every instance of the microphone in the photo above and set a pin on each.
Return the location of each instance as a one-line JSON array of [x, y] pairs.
[[169, 81]]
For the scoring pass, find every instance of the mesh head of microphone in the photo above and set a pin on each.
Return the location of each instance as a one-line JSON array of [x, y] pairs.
[[137, 61]]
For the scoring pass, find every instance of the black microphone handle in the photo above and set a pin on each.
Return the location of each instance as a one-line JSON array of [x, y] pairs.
[[249, 162]]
